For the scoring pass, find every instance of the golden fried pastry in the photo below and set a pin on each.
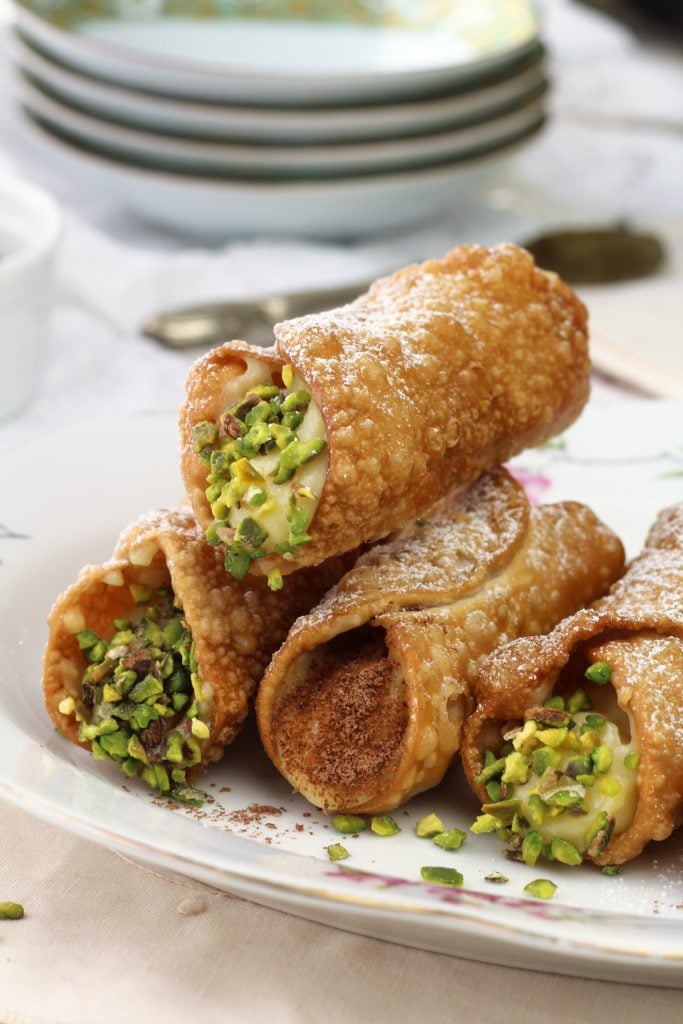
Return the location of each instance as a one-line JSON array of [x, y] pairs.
[[152, 657], [576, 746], [361, 418], [364, 703]]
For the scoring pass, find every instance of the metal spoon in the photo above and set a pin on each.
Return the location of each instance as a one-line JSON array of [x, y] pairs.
[[249, 321], [596, 255]]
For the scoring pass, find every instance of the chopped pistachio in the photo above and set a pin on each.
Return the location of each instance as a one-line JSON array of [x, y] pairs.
[[150, 665], [554, 702], [295, 401], [265, 420], [116, 744], [602, 759], [250, 533], [494, 790], [200, 729], [11, 911], [86, 639], [612, 869], [599, 672], [146, 690], [536, 810], [237, 561], [348, 824], [599, 834], [579, 701], [532, 847], [491, 770], [429, 826], [569, 796], [552, 737], [544, 758], [541, 888], [516, 768], [110, 694], [632, 761], [525, 740], [497, 877], [67, 706], [503, 809], [384, 825], [275, 581], [442, 876], [579, 766], [337, 852], [565, 852], [189, 795], [174, 748], [139, 593], [451, 839], [486, 823], [296, 454], [547, 716], [203, 434], [264, 390]]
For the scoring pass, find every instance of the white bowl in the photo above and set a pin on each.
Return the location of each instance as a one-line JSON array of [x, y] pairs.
[[176, 153], [216, 209], [230, 123], [29, 232], [390, 53]]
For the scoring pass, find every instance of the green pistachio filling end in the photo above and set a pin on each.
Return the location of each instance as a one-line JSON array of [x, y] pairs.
[[563, 782], [264, 473], [141, 696]]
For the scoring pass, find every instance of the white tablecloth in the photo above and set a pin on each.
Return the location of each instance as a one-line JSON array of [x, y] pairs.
[[106, 940]]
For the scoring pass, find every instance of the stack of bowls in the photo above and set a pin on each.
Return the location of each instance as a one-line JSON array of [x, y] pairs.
[[322, 118]]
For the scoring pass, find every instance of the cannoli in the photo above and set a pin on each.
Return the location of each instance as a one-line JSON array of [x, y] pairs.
[[576, 746], [361, 418], [364, 703], [152, 657]]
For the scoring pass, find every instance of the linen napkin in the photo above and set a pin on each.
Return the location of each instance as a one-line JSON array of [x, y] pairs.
[[105, 940]]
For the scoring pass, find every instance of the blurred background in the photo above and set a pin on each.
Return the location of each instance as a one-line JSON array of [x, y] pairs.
[[230, 150], [164, 155]]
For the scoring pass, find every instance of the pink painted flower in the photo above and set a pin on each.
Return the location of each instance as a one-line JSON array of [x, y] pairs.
[[534, 484]]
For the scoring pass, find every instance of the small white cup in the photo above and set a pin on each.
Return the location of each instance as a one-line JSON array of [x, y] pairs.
[[30, 226]]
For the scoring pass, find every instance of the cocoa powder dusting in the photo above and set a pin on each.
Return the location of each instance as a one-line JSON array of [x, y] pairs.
[[344, 725]]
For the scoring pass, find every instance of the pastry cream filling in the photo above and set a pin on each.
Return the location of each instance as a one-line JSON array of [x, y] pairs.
[[143, 705], [565, 779], [267, 462]]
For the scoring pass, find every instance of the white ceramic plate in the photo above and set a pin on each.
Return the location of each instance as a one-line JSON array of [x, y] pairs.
[[223, 122], [214, 209], [255, 838], [291, 60], [174, 153]]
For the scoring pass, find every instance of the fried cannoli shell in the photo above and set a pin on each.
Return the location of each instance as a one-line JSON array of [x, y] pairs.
[[638, 630], [363, 705], [440, 372], [235, 628]]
